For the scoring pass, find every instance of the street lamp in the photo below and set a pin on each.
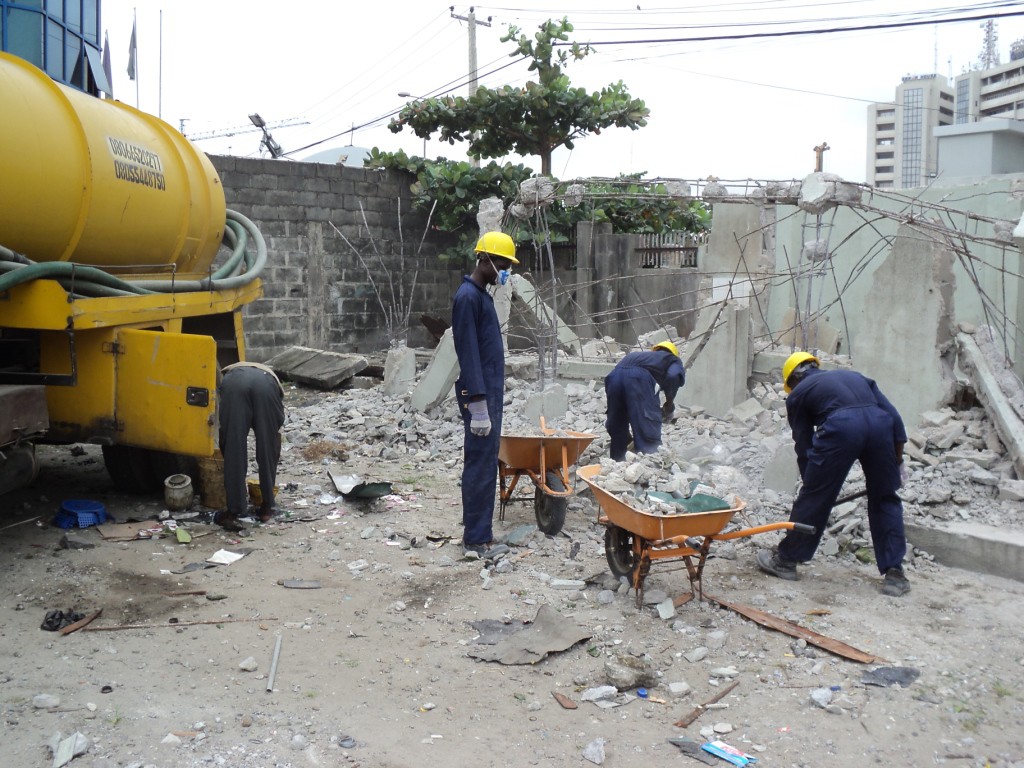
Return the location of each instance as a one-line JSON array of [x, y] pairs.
[[407, 95]]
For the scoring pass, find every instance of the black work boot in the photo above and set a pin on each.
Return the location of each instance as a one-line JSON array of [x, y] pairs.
[[896, 582], [768, 560]]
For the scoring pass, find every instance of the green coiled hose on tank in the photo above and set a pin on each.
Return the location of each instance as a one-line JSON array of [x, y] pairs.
[[241, 268]]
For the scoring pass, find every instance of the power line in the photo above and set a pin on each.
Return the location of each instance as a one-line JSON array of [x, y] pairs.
[[800, 32]]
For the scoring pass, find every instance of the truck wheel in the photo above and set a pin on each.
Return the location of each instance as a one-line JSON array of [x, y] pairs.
[[165, 464], [618, 547], [130, 468], [550, 510]]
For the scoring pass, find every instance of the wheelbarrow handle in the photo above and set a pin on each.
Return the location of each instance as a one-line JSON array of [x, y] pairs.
[[803, 528]]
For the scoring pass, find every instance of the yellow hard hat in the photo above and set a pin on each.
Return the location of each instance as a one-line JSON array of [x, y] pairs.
[[791, 364], [497, 244], [666, 345]]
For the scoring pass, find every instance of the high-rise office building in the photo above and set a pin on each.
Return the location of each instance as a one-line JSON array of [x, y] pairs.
[[902, 150], [994, 92], [61, 37]]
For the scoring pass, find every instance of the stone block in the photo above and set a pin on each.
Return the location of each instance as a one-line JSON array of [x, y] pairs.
[[317, 367], [781, 473], [552, 404], [945, 438], [437, 381], [936, 418], [399, 371], [746, 411], [1011, 490]]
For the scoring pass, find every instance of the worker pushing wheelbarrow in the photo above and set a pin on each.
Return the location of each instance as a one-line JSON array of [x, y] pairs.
[[634, 539], [546, 459]]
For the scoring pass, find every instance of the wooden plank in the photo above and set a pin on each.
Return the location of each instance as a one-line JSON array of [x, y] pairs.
[[80, 623], [795, 630], [700, 709]]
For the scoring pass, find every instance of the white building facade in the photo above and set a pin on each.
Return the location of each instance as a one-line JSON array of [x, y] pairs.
[[902, 150]]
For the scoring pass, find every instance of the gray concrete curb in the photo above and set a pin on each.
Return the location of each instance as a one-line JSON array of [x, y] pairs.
[[973, 547]]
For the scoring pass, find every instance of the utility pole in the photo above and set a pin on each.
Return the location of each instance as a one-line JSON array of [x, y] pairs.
[[472, 21]]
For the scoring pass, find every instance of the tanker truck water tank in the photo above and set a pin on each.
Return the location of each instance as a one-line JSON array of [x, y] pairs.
[[100, 183]]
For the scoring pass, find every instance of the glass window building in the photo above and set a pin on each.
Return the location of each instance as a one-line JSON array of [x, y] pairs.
[[61, 37]]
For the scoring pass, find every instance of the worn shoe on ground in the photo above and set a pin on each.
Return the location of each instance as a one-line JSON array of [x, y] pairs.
[[896, 582], [229, 522], [768, 560], [265, 515], [483, 551]]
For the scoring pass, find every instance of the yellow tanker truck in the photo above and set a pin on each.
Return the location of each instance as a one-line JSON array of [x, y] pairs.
[[118, 304]]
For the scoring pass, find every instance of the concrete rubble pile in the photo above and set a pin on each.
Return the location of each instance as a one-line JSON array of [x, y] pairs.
[[958, 468]]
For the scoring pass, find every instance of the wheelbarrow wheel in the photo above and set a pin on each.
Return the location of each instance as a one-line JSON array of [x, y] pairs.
[[618, 547], [550, 510]]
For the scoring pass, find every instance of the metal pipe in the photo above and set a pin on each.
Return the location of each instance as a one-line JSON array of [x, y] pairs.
[[273, 664]]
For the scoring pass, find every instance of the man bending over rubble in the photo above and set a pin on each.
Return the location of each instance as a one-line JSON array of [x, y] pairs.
[[839, 417], [632, 395], [480, 388], [251, 399]]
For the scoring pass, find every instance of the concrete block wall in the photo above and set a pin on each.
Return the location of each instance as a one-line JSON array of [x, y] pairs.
[[317, 292]]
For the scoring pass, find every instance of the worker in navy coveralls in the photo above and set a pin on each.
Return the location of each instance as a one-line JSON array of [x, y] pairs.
[[839, 417], [633, 401], [480, 387]]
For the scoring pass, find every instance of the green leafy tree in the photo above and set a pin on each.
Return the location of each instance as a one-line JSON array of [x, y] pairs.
[[457, 187], [534, 120]]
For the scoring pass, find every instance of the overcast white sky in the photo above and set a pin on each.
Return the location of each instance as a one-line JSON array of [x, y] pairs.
[[735, 109]]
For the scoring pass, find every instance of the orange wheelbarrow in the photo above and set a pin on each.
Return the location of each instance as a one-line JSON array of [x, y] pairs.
[[634, 539], [545, 459]]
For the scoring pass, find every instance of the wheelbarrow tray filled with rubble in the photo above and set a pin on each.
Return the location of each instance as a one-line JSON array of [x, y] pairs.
[[546, 459], [635, 538]]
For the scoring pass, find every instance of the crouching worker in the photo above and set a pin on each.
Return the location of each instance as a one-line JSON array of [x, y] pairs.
[[251, 398], [839, 417], [632, 397]]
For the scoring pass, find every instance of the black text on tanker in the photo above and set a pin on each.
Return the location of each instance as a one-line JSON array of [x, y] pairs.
[[137, 175]]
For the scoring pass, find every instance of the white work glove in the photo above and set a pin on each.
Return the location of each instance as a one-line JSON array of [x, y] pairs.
[[903, 475], [480, 422]]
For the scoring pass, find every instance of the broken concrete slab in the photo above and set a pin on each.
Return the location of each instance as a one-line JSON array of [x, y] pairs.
[[551, 404], [437, 381], [822, 191], [748, 410], [973, 546], [399, 370], [998, 405], [525, 292], [781, 473], [814, 334], [716, 374], [584, 370], [317, 367], [911, 310]]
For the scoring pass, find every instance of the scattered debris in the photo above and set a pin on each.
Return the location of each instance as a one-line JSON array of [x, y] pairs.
[[701, 708], [564, 700], [889, 676], [80, 623], [549, 632], [298, 584], [57, 619]]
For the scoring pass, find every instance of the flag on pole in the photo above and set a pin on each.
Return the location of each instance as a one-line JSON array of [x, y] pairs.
[[131, 54], [106, 62]]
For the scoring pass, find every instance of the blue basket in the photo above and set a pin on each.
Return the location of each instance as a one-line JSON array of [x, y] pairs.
[[80, 513]]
